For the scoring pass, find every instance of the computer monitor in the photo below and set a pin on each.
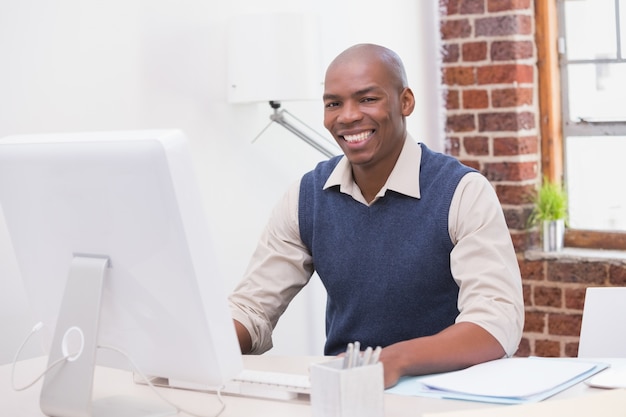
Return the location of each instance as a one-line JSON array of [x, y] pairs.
[[114, 250]]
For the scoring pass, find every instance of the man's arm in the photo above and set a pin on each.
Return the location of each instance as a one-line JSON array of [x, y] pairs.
[[484, 265], [245, 340], [458, 346], [280, 266]]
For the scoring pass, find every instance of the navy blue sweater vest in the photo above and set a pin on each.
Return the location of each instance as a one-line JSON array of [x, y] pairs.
[[386, 267]]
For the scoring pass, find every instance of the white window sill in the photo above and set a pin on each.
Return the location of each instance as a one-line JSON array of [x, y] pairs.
[[578, 254]]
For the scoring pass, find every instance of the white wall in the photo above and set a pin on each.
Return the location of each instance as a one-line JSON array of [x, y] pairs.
[[75, 65]]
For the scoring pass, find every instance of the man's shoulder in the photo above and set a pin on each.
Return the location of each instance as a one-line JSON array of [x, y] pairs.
[[326, 165], [433, 162], [442, 158], [322, 171]]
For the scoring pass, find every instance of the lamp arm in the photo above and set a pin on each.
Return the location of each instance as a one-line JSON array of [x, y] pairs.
[[279, 118]]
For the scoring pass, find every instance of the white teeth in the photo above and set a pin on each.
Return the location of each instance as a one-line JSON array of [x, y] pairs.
[[359, 137]]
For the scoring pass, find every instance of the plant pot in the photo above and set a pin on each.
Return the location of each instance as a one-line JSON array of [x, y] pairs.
[[553, 232]]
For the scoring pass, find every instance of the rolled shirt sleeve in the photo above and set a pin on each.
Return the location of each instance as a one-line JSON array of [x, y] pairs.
[[484, 263], [280, 266]]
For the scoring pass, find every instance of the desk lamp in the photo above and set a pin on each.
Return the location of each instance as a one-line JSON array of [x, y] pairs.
[[273, 58]]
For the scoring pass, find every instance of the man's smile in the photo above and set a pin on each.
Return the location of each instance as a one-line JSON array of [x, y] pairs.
[[359, 137]]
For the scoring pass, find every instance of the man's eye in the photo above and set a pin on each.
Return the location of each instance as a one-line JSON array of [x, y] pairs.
[[331, 104], [368, 99]]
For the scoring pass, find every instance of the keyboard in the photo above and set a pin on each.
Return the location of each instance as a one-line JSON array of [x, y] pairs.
[[277, 385], [259, 384]]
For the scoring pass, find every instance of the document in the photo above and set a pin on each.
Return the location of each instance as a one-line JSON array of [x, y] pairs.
[[502, 381]]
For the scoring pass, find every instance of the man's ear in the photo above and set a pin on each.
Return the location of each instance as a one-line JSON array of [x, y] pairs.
[[407, 99]]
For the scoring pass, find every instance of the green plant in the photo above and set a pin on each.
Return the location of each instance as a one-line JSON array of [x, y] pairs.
[[550, 203]]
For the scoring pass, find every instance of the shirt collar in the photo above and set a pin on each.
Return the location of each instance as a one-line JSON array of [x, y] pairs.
[[404, 177]]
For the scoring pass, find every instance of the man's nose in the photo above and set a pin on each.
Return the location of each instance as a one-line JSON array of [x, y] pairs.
[[349, 113]]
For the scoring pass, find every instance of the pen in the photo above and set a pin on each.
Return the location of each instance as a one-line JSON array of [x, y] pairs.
[[367, 356], [376, 354], [347, 359], [356, 354]]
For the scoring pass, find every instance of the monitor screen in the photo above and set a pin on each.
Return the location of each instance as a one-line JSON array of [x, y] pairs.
[[121, 213]]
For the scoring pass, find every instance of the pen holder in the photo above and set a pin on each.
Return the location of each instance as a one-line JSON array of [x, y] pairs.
[[351, 392]]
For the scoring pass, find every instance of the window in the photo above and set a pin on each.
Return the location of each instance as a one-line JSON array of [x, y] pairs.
[[593, 79], [589, 69]]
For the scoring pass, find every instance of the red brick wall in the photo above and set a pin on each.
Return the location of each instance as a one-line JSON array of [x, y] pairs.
[[489, 68], [490, 76]]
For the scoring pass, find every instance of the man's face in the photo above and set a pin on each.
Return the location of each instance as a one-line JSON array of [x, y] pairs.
[[364, 110]]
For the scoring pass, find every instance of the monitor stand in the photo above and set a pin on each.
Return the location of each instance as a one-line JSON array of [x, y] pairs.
[[67, 387]]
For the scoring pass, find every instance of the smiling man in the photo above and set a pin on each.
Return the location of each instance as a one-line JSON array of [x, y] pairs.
[[411, 245]]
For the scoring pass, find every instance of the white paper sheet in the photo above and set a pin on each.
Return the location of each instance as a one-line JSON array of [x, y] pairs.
[[507, 381]]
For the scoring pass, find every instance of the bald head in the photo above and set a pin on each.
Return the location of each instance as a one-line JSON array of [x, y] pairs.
[[371, 53]]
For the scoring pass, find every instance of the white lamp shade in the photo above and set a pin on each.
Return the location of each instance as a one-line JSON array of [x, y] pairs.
[[274, 57]]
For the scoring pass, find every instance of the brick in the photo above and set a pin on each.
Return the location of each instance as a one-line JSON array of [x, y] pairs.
[[547, 348], [510, 171], [452, 146], [449, 7], [533, 240], [452, 99], [451, 53], [575, 298], [524, 145], [506, 121], [527, 294], [511, 50], [548, 296], [512, 97], [532, 270], [521, 240], [506, 5], [564, 324], [476, 145], [474, 51], [505, 74], [617, 275], [472, 6], [472, 164], [534, 322], [577, 272], [475, 99], [460, 123], [503, 26], [523, 350], [571, 350], [514, 217], [527, 213], [514, 194], [459, 76], [455, 29]]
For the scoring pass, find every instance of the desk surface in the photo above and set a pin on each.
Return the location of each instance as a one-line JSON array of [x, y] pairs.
[[109, 382]]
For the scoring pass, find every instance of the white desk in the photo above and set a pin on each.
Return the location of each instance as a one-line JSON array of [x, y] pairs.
[[116, 382]]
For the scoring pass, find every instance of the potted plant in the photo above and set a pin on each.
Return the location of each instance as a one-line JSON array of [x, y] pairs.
[[550, 212]]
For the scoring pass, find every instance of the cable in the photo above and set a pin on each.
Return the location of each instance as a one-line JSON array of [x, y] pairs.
[[153, 388], [35, 329], [67, 357]]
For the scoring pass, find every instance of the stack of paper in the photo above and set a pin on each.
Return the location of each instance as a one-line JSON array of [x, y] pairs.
[[503, 381]]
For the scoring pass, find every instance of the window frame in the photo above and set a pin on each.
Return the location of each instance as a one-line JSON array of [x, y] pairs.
[[553, 113]]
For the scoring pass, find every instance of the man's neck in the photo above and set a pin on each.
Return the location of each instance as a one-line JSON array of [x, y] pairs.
[[370, 180], [371, 177]]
